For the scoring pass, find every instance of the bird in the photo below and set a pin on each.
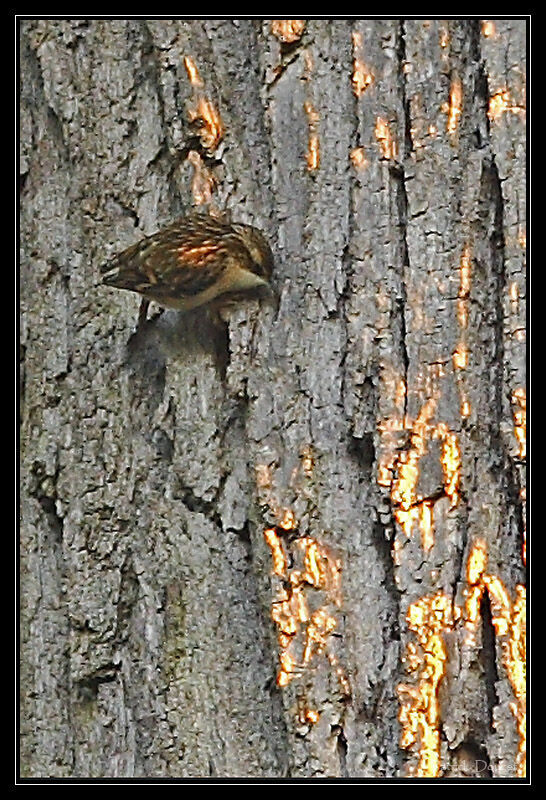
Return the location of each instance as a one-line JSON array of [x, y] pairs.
[[191, 262]]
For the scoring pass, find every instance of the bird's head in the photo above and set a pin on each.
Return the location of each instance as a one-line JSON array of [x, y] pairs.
[[259, 250]]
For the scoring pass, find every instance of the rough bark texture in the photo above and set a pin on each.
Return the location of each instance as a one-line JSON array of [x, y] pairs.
[[290, 547]]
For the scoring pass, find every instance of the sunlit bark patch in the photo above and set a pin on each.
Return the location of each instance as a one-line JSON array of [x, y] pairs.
[[362, 77], [430, 619], [288, 30], [387, 142], [305, 607], [204, 115]]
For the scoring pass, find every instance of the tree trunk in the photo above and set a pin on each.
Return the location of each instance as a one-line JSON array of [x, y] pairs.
[[292, 544]]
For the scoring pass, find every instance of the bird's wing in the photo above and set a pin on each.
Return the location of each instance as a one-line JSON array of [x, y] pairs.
[[182, 260]]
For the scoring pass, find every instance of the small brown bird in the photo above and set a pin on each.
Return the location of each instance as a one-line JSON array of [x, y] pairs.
[[191, 262]]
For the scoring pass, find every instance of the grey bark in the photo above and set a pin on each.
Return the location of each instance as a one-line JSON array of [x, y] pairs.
[[152, 464]]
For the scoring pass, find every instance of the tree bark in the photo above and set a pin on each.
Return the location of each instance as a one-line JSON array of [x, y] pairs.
[[291, 545]]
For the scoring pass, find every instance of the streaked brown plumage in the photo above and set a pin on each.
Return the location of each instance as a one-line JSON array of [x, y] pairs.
[[192, 261]]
